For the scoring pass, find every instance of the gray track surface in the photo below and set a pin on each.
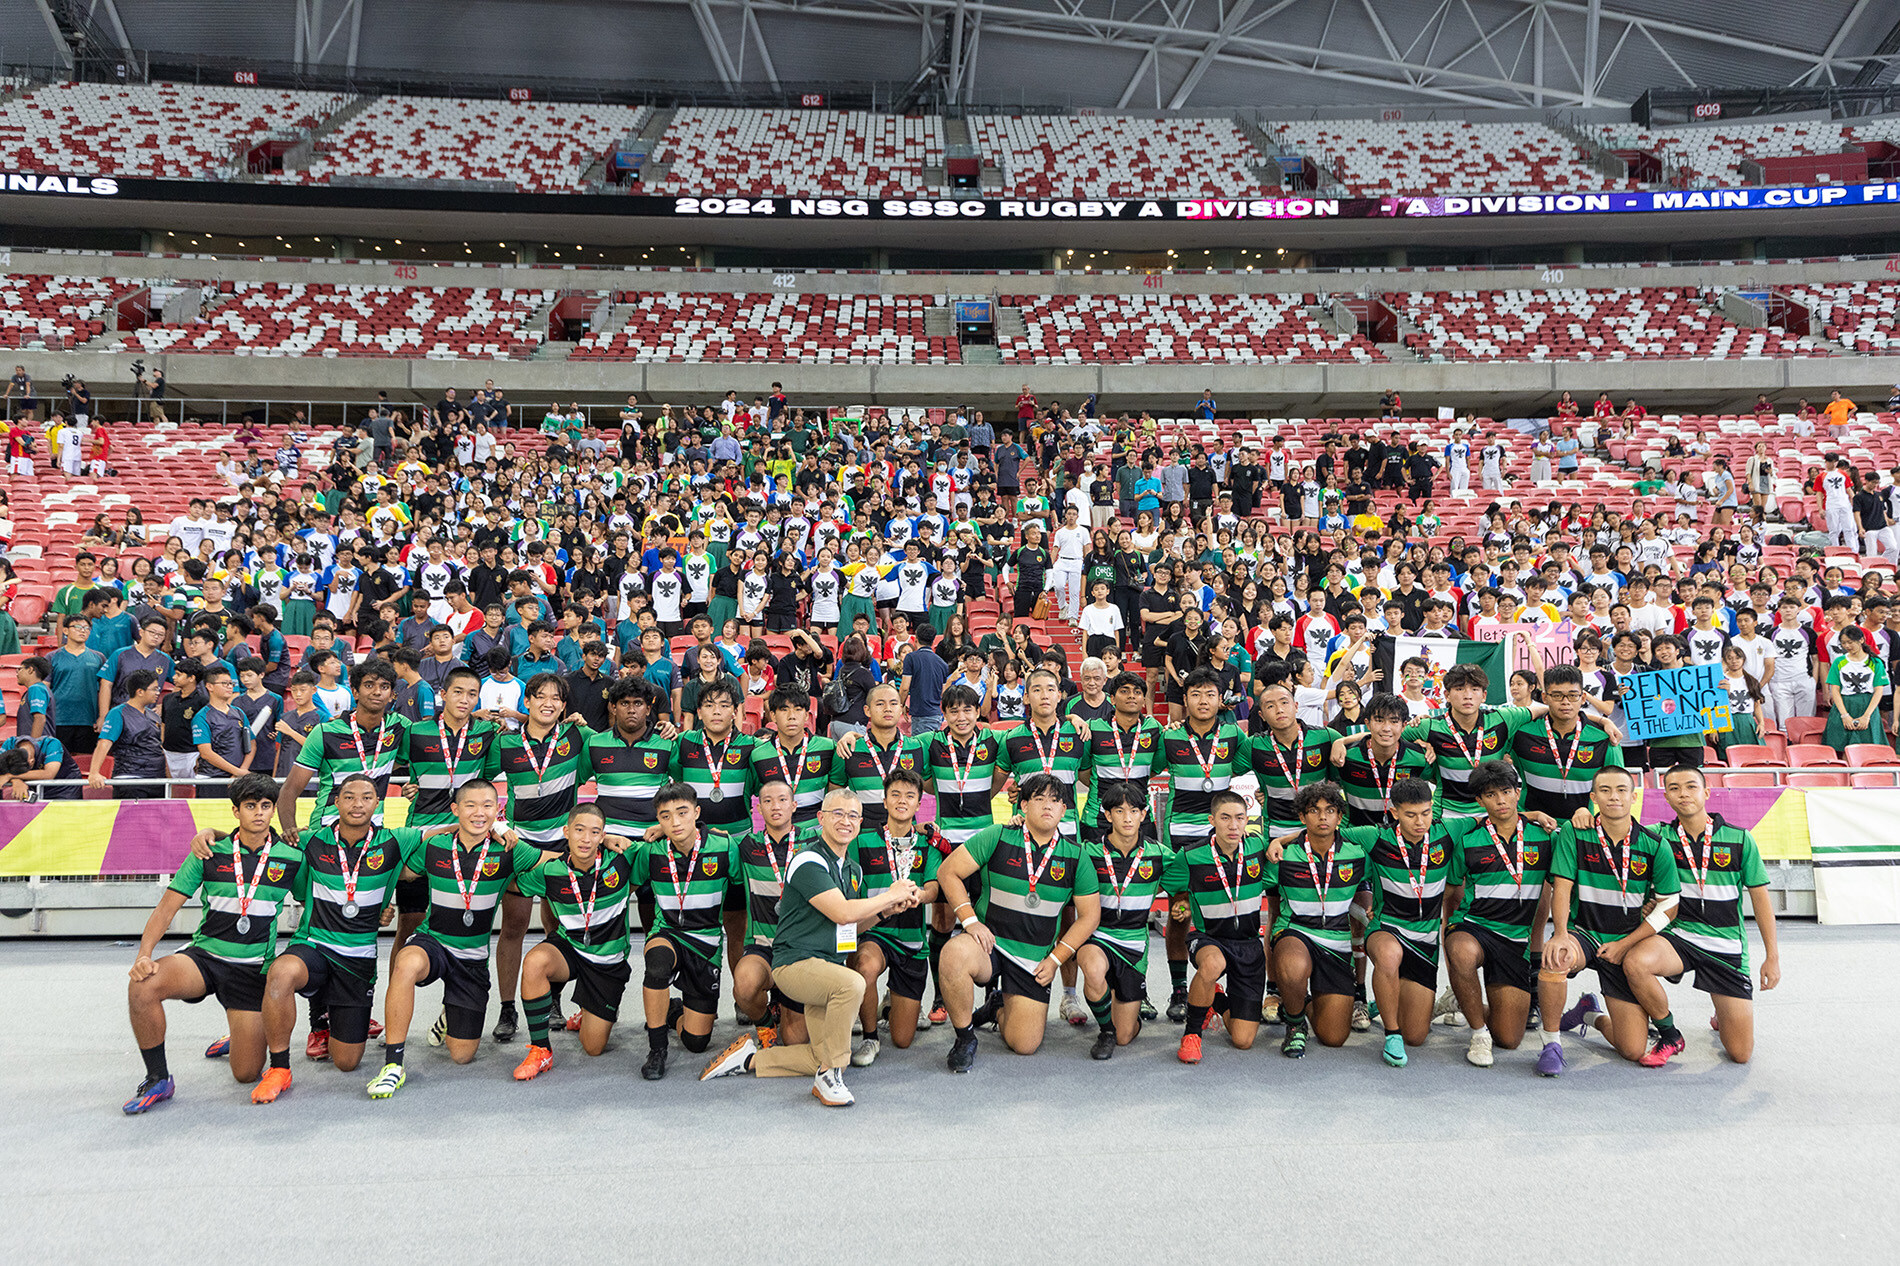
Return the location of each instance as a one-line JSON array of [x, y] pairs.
[[1247, 1157]]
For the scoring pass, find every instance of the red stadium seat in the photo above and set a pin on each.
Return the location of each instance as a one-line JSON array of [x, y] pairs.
[[1804, 729], [1862, 755], [1811, 755], [1818, 778], [1872, 778], [1751, 778], [1742, 755]]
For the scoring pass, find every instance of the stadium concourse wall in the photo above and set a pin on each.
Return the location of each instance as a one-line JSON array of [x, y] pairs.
[[96, 867], [1162, 387]]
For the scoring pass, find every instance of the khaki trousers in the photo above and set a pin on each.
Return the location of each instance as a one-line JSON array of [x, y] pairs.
[[830, 993]]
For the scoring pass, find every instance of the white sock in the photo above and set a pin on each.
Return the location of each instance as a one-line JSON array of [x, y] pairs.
[[1590, 1019], [1068, 991], [1550, 1037]]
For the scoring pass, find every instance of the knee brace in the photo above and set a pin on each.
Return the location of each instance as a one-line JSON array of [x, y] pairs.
[[695, 1042], [661, 959]]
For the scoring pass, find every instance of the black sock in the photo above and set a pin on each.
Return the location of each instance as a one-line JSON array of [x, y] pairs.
[[319, 1016], [1359, 992], [280, 1059], [1103, 1009], [965, 1030], [1220, 1002], [656, 1037], [1196, 1019], [554, 996], [154, 1057], [392, 1053], [538, 1009], [937, 941], [1666, 1028], [1177, 973], [508, 1007]]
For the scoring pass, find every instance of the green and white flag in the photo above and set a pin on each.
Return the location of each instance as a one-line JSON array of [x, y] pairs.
[[1441, 653]]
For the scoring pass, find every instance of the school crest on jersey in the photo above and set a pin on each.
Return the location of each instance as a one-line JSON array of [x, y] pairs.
[[1584, 754], [811, 764], [651, 759], [1220, 751], [1253, 869], [375, 860], [491, 869], [1315, 759], [564, 748], [611, 878], [1639, 866], [1057, 870], [1438, 856], [1065, 745], [709, 867], [1147, 870], [274, 872], [477, 746], [1722, 858], [1492, 740], [1346, 873], [732, 757], [1530, 854]]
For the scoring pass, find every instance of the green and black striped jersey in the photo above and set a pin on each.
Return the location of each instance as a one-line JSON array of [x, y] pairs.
[[1025, 916], [807, 767], [465, 887], [1715, 869], [1223, 890], [1407, 879], [543, 777], [430, 748], [331, 753], [1557, 768], [763, 862], [1129, 883], [1502, 875], [1368, 782], [1200, 764], [720, 774], [960, 774], [1316, 892], [626, 776], [1062, 751], [242, 891], [349, 884], [590, 905], [1458, 751], [1117, 755], [881, 859], [869, 764], [1613, 879], [689, 889], [1283, 769]]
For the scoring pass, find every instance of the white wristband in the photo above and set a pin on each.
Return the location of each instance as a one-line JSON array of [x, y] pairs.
[[969, 923]]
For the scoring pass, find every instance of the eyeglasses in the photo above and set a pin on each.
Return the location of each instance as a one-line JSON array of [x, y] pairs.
[[844, 815]]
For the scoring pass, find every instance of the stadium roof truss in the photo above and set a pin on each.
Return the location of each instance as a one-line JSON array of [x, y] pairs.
[[1488, 53]]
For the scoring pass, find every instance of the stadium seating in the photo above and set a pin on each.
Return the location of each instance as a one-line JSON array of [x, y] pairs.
[[811, 328], [180, 131], [1860, 315], [271, 318], [55, 311], [1156, 329], [1110, 156], [1375, 159], [798, 152], [537, 146], [1583, 325], [1712, 154]]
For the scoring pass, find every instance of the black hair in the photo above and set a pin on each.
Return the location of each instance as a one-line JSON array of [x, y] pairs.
[[1410, 791], [1492, 775], [673, 793], [1315, 794], [381, 669], [1386, 706], [252, 787], [904, 777], [474, 784], [1041, 786]]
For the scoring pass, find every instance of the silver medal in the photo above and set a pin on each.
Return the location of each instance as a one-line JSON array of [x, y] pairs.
[[349, 909], [244, 924], [1032, 902], [718, 794], [468, 918]]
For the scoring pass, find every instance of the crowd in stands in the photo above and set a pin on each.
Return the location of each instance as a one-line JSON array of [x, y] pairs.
[[769, 546]]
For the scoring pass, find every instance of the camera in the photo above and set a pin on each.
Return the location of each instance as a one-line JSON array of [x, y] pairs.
[[66, 383], [138, 369]]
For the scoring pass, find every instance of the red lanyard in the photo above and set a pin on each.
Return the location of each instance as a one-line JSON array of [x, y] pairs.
[[1122, 757], [593, 894], [1609, 853], [1221, 874], [365, 758], [1419, 876], [679, 881], [467, 889], [963, 772], [455, 757], [1029, 851], [1120, 884], [1698, 864], [1292, 776], [716, 765], [1516, 871], [1471, 753], [907, 854], [540, 767], [1563, 763], [1205, 762], [797, 767], [1047, 758], [1312, 869], [245, 895], [771, 856], [1384, 785]]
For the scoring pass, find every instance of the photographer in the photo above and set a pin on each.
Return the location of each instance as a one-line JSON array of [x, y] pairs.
[[78, 400]]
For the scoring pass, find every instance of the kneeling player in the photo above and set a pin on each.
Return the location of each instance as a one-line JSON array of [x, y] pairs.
[[903, 848], [765, 858], [467, 872], [1601, 877], [687, 869], [1497, 887], [1317, 878], [1223, 878], [242, 887], [587, 887], [1128, 870], [1406, 873], [1716, 862], [1029, 873]]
